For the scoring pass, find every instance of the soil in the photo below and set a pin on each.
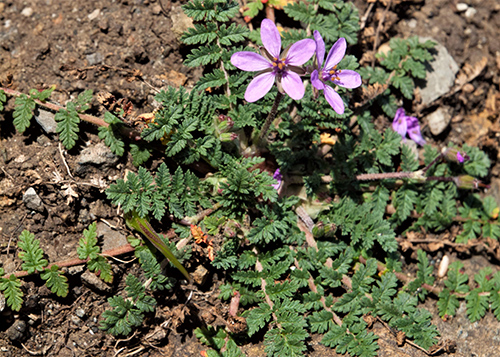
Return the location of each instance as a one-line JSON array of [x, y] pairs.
[[129, 48]]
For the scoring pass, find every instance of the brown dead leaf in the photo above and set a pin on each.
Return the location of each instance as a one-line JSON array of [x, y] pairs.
[[371, 92], [433, 246], [468, 73]]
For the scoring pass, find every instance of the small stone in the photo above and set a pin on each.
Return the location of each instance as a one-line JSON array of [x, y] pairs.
[[32, 200], [98, 154], [438, 121], [470, 12], [200, 274], [94, 58], [75, 320], [16, 331], [80, 312], [46, 120], [111, 238], [93, 15], [412, 23], [95, 283], [2, 302], [27, 11], [77, 269], [462, 7]]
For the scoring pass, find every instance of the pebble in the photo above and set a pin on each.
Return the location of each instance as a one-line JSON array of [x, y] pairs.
[[46, 120], [16, 331], [462, 7], [441, 78], [98, 154], [438, 121], [32, 200], [111, 238], [2, 302], [95, 283], [470, 12], [80, 312], [94, 14], [94, 58], [27, 11]]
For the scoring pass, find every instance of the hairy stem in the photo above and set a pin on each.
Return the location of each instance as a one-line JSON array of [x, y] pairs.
[[269, 120]]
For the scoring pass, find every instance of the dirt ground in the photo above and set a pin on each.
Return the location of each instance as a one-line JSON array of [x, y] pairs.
[[128, 48]]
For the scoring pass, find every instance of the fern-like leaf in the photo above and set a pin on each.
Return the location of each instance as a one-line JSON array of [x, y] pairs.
[[11, 288], [55, 281], [67, 125], [23, 112], [32, 254]]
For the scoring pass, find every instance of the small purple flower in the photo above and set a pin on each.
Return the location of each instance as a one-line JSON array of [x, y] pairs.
[[460, 158], [273, 66], [278, 177], [329, 72], [404, 124]]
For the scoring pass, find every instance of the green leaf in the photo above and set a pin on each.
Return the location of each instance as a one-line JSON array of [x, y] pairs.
[[102, 267], [257, 318], [32, 254], [109, 135], [23, 112], [11, 288], [476, 305], [55, 281], [404, 84], [3, 99], [88, 243], [67, 125]]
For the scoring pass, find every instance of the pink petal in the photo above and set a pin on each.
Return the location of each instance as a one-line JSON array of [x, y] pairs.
[[270, 37], [348, 79], [249, 61], [333, 98], [300, 52], [399, 124], [259, 86], [336, 53], [315, 81], [320, 48], [292, 85]]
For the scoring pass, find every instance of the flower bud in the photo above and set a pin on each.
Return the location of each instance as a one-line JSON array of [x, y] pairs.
[[467, 182], [455, 155]]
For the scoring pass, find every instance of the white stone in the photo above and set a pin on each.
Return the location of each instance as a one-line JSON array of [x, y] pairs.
[[470, 12], [93, 15], [462, 6], [438, 121], [27, 11]]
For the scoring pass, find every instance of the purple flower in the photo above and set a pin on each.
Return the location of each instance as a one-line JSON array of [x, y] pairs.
[[329, 72], [278, 177], [404, 124], [273, 66]]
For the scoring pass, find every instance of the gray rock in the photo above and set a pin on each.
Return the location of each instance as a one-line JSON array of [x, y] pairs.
[[16, 331], [111, 238], [94, 58], [438, 121], [441, 76], [2, 302], [98, 154], [32, 200], [46, 120], [94, 282]]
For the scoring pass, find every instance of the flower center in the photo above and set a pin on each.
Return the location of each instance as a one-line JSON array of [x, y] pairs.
[[331, 75], [279, 65]]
